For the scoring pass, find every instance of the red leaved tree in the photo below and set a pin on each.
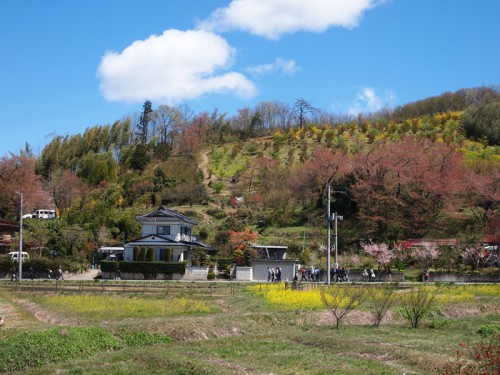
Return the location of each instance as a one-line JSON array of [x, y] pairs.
[[17, 174], [401, 188], [239, 245], [309, 179]]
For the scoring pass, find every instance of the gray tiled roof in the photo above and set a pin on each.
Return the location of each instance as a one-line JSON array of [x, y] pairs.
[[163, 214]]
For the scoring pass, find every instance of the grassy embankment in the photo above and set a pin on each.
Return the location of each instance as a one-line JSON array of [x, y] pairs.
[[247, 331]]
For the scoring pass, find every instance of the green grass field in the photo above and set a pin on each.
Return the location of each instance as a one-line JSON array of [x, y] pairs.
[[238, 329]]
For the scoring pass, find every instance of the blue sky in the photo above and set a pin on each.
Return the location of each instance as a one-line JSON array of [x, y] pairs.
[[69, 65]]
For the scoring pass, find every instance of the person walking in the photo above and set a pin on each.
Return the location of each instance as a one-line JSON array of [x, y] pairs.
[[32, 273], [372, 275], [59, 274], [13, 274], [364, 275]]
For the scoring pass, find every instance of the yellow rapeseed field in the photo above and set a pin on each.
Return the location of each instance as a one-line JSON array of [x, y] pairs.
[[100, 306], [283, 296]]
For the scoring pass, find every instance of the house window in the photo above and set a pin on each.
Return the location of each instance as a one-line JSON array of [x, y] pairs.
[[164, 229], [186, 230]]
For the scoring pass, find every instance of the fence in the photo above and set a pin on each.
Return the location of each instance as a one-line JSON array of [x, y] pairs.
[[123, 287]]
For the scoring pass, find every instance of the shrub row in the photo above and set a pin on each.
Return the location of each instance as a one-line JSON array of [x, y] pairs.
[[143, 267], [40, 264]]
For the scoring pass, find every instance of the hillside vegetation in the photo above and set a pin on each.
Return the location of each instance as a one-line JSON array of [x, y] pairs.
[[428, 169]]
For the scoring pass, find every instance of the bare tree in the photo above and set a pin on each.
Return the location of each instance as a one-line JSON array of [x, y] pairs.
[[416, 304], [341, 300], [301, 108], [381, 300]]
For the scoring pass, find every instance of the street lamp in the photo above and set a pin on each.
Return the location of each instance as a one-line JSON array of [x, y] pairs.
[[329, 218], [20, 256]]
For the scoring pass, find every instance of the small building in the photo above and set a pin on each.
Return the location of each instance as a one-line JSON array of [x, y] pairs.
[[111, 252], [273, 256], [169, 233]]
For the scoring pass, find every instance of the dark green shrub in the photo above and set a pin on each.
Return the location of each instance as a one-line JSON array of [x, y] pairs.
[[211, 276], [169, 255], [488, 330], [6, 263], [109, 266], [151, 254], [439, 323], [216, 213], [54, 345], [152, 267], [222, 263], [137, 251]]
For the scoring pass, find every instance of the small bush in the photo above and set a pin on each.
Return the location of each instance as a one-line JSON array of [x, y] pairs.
[[57, 344], [216, 213], [211, 276], [439, 323], [144, 338], [488, 330]]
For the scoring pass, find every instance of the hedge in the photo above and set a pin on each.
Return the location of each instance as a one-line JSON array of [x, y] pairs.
[[40, 264], [150, 267]]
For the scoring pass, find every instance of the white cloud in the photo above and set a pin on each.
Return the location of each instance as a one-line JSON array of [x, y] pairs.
[[274, 18], [288, 67], [174, 66], [367, 100]]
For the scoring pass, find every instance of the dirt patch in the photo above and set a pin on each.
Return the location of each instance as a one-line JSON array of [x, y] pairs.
[[326, 318], [43, 315], [457, 312]]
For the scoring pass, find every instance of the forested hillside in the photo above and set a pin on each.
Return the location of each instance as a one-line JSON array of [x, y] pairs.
[[428, 169]]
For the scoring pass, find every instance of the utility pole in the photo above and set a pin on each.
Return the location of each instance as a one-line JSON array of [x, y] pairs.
[[329, 218], [328, 262], [336, 217], [20, 256]]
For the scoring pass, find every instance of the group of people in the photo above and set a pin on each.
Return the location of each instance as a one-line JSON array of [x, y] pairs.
[[58, 276], [310, 274], [339, 274], [368, 275], [274, 274], [32, 273]]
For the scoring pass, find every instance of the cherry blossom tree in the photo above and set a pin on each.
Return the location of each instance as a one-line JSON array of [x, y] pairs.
[[380, 252], [476, 256], [425, 254]]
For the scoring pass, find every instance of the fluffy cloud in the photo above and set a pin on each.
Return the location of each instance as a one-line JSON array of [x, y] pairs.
[[288, 67], [273, 18], [171, 67], [368, 101]]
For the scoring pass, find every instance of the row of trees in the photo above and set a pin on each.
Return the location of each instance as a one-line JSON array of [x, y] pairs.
[[413, 178], [393, 189]]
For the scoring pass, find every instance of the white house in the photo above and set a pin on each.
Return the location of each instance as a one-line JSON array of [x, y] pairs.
[[165, 229]]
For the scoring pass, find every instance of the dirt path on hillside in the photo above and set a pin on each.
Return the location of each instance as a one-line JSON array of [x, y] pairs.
[[203, 165]]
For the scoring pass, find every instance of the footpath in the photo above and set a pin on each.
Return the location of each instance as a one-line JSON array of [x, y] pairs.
[[88, 275]]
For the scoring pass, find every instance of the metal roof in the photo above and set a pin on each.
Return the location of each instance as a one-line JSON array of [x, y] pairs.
[[163, 214]]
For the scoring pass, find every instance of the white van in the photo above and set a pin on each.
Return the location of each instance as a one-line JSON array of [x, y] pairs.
[[44, 214], [15, 255]]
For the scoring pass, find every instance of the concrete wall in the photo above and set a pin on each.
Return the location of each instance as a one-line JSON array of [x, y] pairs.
[[463, 278], [244, 274], [195, 273]]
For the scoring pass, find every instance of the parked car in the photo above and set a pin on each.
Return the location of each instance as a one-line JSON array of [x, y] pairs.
[[15, 255]]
